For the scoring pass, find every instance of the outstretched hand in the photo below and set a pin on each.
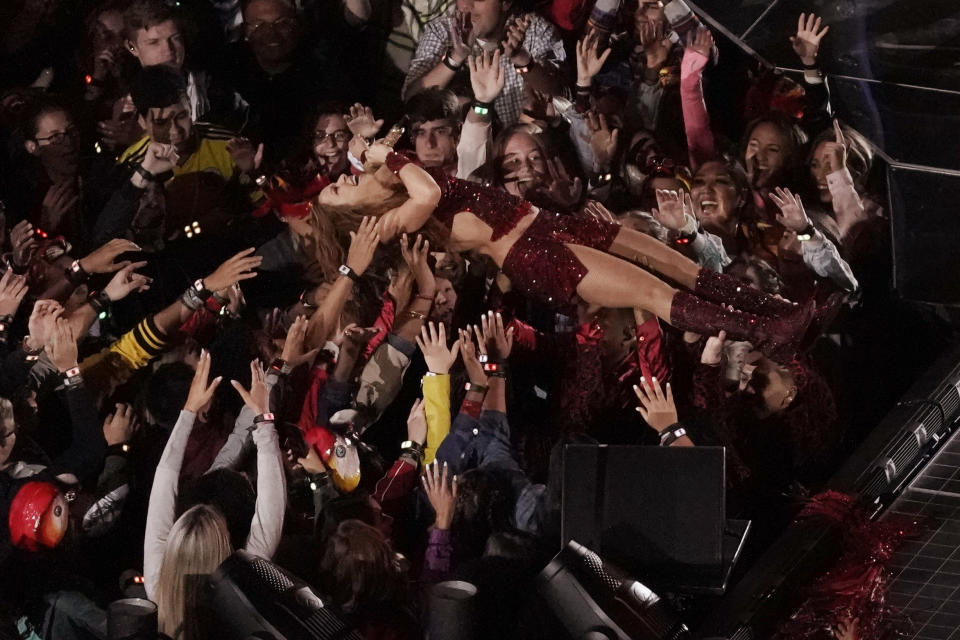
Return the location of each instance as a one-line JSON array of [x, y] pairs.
[[239, 267], [468, 352], [492, 339], [417, 422], [13, 288], [792, 214], [361, 122], [806, 44], [293, 351], [125, 282], [486, 76], [701, 41], [257, 398], [416, 258], [674, 209], [363, 244], [433, 343], [103, 259], [713, 350], [589, 58], [201, 392], [441, 490], [657, 408]]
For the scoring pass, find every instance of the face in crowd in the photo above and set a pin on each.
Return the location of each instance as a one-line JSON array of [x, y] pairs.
[[524, 164], [766, 156], [435, 142], [161, 43], [486, 16], [331, 138], [716, 201], [55, 143], [170, 125], [272, 30]]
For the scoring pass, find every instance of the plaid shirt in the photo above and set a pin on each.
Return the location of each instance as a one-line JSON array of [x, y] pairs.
[[541, 42]]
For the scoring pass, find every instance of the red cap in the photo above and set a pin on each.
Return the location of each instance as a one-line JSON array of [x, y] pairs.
[[27, 512]]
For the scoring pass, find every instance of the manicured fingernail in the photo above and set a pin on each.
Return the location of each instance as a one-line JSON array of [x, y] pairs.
[[654, 378], [642, 379]]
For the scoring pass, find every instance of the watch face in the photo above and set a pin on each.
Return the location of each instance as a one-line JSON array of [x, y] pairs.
[[344, 269]]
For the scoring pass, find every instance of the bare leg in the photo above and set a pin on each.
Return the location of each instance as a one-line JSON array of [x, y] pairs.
[[646, 250], [615, 283]]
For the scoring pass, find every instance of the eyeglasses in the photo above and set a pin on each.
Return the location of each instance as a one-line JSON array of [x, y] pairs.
[[338, 137], [60, 137], [260, 28]]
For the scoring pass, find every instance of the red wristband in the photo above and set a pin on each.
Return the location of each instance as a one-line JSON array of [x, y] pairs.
[[396, 161]]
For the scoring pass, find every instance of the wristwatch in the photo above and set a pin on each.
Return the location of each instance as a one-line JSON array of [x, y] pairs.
[[344, 270]]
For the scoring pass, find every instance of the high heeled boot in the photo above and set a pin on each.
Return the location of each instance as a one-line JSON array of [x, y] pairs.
[[778, 337], [727, 290]]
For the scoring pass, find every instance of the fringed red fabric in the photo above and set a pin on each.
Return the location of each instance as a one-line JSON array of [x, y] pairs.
[[855, 588]]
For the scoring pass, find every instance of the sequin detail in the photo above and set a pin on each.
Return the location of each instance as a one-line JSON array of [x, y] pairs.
[[727, 290], [494, 207], [543, 268]]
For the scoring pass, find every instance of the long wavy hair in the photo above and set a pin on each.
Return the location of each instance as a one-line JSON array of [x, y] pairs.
[[331, 226], [198, 542]]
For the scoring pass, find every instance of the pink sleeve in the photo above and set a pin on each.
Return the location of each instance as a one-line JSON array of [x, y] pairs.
[[696, 121]]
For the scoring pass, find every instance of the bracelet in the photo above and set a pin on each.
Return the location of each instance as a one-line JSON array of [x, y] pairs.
[[672, 434], [280, 366], [495, 367], [72, 377], [396, 161], [344, 270], [413, 447], [498, 374], [484, 358], [448, 64], [191, 299], [478, 388], [120, 449], [584, 89], [685, 238], [30, 352], [143, 173], [201, 289], [263, 417], [523, 68], [99, 300], [482, 108], [430, 299], [416, 315], [807, 233], [76, 274], [5, 322]]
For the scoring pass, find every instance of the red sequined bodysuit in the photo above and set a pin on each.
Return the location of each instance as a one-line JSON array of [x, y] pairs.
[[539, 264]]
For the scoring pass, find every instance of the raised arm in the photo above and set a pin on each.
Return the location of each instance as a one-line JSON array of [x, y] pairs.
[[423, 191], [163, 495], [436, 384], [363, 243], [696, 120], [267, 523]]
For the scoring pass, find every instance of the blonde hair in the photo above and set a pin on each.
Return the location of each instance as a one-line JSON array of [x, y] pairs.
[[198, 542]]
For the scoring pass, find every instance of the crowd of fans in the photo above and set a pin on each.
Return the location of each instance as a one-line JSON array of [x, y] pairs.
[[417, 299]]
